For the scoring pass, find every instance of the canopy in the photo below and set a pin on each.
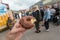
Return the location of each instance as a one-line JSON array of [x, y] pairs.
[[20, 4]]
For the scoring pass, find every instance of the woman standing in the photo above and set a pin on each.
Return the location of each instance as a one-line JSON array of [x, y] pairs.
[[47, 16], [36, 14]]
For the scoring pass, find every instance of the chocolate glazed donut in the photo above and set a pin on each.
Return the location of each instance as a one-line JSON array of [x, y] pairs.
[[26, 22]]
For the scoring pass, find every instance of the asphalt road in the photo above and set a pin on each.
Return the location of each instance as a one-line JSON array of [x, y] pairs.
[[53, 34]]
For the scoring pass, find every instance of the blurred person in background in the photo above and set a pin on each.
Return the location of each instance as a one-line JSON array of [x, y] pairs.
[[57, 9], [27, 13], [47, 16], [20, 14], [42, 12], [36, 14], [24, 13], [10, 23], [53, 11], [16, 15], [55, 6]]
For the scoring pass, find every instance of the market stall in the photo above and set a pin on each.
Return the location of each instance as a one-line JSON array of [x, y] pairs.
[[3, 16]]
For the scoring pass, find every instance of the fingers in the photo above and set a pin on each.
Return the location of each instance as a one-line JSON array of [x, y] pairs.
[[19, 35]]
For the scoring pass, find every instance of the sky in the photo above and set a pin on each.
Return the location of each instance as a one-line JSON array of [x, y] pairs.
[[20, 4]]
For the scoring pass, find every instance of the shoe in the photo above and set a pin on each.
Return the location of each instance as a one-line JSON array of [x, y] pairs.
[[37, 31], [47, 30]]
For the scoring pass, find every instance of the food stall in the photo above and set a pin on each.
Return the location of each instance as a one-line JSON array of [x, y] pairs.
[[3, 16]]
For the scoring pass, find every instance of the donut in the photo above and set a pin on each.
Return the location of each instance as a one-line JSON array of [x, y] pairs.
[[26, 22]]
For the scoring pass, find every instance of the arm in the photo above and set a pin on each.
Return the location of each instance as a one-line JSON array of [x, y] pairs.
[[47, 15]]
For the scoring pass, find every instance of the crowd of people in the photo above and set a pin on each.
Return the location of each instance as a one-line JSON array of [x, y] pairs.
[[46, 13], [43, 15]]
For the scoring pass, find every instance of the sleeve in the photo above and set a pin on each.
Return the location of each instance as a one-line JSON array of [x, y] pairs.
[[45, 16], [37, 15], [48, 15], [33, 14]]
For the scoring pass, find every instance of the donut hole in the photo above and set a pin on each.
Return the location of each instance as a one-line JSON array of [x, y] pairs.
[[28, 19]]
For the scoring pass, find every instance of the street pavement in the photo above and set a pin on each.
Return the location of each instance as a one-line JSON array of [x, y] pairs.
[[53, 34]]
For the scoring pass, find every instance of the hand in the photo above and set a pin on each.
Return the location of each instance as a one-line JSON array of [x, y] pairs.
[[43, 22]]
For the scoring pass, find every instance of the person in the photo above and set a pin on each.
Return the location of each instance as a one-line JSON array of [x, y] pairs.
[[53, 11], [16, 15], [47, 16], [20, 27], [10, 23], [10, 20], [55, 6], [27, 13], [20, 15], [42, 12], [57, 9], [36, 14], [24, 13]]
